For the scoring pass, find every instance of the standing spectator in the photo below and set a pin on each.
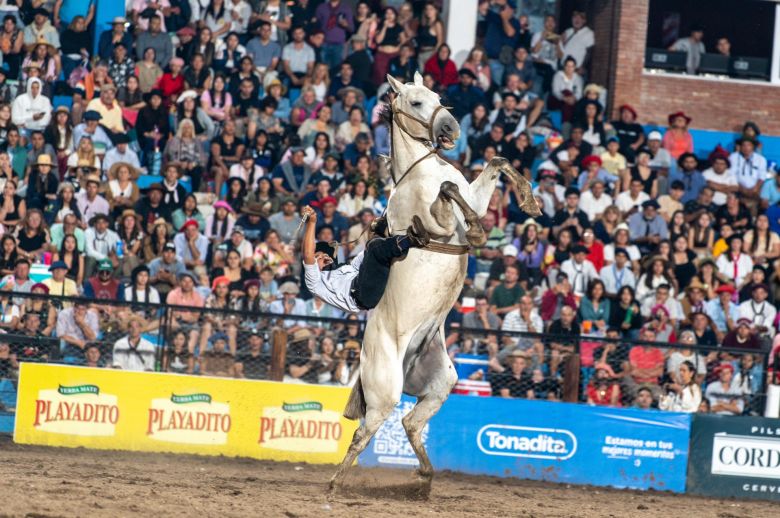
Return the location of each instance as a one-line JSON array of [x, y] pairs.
[[336, 21], [693, 47], [430, 34], [501, 37], [577, 41]]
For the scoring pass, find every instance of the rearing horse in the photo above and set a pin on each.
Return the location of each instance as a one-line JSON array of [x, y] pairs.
[[403, 346]]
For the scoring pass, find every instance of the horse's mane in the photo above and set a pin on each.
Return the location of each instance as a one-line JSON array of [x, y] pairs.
[[386, 115]]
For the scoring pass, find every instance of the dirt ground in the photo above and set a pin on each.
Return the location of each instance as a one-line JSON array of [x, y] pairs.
[[48, 482]]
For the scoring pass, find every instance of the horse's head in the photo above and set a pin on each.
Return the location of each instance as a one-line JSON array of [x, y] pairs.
[[420, 114]]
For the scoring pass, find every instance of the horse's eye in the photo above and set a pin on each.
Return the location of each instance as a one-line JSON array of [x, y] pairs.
[[416, 104]]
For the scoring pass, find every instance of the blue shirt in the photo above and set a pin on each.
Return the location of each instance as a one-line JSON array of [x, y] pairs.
[[694, 182], [495, 37], [773, 213], [714, 310], [770, 192]]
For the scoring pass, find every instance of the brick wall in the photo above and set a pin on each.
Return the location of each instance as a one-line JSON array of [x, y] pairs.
[[712, 104]]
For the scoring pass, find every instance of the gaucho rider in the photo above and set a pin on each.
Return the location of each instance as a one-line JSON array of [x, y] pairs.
[[359, 284]]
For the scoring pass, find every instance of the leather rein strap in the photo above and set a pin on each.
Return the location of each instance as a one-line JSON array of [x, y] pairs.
[[433, 246]]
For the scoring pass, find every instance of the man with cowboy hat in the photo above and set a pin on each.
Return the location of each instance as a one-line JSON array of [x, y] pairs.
[[360, 284], [101, 243], [89, 202], [91, 128], [253, 221], [41, 28], [42, 184]]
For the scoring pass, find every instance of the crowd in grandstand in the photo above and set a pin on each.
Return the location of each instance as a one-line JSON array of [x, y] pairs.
[[171, 165]]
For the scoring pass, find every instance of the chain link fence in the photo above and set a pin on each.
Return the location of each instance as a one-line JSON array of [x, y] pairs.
[[308, 349]]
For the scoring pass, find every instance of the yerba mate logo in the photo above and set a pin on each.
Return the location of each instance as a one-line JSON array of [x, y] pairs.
[[305, 426], [523, 441], [76, 410], [189, 419]]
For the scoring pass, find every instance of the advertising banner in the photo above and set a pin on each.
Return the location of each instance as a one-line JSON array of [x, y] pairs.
[[143, 411], [542, 440], [735, 456]]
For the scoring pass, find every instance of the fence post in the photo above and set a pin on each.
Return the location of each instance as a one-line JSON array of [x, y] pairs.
[[278, 354]]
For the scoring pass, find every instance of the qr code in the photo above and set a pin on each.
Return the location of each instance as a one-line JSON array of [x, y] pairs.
[[391, 441]]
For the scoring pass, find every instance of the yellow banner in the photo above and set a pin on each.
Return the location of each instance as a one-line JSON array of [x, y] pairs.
[[143, 411]]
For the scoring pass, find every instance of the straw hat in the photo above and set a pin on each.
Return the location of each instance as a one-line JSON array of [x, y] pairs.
[[44, 159], [114, 169]]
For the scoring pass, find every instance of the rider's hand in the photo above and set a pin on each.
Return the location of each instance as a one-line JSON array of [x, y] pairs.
[[310, 212]]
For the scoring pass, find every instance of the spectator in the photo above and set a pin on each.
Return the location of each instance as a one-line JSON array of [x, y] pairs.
[[602, 389], [580, 270], [677, 140], [648, 228], [725, 397], [185, 295], [59, 283], [134, 352], [165, 270], [514, 382], [555, 298], [617, 274], [688, 173], [722, 311], [254, 362], [482, 317], [77, 326], [192, 246], [218, 361], [442, 68], [646, 364], [693, 47], [524, 319], [577, 41], [743, 337], [506, 296]]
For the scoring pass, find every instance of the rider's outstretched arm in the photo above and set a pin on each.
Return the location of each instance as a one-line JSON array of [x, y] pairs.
[[309, 241]]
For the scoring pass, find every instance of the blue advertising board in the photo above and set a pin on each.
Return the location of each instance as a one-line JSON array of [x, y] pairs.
[[559, 442]]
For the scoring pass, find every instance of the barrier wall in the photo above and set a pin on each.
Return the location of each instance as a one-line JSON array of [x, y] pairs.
[[139, 411], [541, 440], [735, 457]]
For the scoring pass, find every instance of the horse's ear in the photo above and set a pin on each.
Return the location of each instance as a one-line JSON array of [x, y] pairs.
[[395, 84], [418, 79]]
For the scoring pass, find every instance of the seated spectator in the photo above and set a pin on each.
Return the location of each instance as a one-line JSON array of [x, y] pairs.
[[524, 319], [743, 337], [218, 361], [177, 358], [594, 312], [566, 326], [134, 352], [725, 397], [506, 296], [165, 270], [253, 363], [513, 382], [77, 326], [291, 305], [677, 139], [192, 246], [579, 270], [101, 244], [618, 274], [59, 283], [734, 264], [644, 399], [300, 360], [602, 389]]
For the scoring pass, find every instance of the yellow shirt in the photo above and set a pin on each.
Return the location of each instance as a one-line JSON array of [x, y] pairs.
[[112, 117], [613, 164], [57, 288]]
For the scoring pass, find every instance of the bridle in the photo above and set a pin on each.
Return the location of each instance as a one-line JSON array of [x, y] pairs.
[[427, 125]]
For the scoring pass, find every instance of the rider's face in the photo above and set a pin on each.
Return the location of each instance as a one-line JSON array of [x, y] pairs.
[[323, 260]]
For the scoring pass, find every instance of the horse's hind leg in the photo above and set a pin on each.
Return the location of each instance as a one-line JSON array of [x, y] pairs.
[[430, 377], [382, 386], [475, 234]]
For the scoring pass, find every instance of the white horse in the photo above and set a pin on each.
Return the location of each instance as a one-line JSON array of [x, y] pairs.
[[403, 346]]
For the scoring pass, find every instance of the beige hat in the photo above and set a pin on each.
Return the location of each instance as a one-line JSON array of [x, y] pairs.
[[44, 159], [289, 287], [621, 226], [114, 169]]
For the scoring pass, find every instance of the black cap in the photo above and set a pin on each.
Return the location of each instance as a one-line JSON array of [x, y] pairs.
[[169, 246], [621, 250], [467, 72], [651, 203], [677, 185], [325, 248], [572, 190], [579, 249]]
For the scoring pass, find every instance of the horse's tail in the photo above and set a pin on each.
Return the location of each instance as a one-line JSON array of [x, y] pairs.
[[356, 405]]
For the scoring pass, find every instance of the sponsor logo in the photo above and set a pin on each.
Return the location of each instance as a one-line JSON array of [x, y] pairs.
[[188, 419], [76, 410], [745, 456], [523, 441], [303, 427]]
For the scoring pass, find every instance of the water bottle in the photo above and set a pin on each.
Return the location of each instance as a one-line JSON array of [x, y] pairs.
[[120, 249]]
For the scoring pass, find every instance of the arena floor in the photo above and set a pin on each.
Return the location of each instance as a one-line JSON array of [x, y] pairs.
[[49, 482]]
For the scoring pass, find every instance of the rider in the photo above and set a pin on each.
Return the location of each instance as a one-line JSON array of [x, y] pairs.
[[360, 284]]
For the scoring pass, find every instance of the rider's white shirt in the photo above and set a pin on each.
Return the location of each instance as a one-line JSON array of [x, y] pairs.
[[333, 286]]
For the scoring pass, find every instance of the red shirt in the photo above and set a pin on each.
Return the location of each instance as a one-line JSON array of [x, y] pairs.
[[445, 77], [641, 358], [170, 86]]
